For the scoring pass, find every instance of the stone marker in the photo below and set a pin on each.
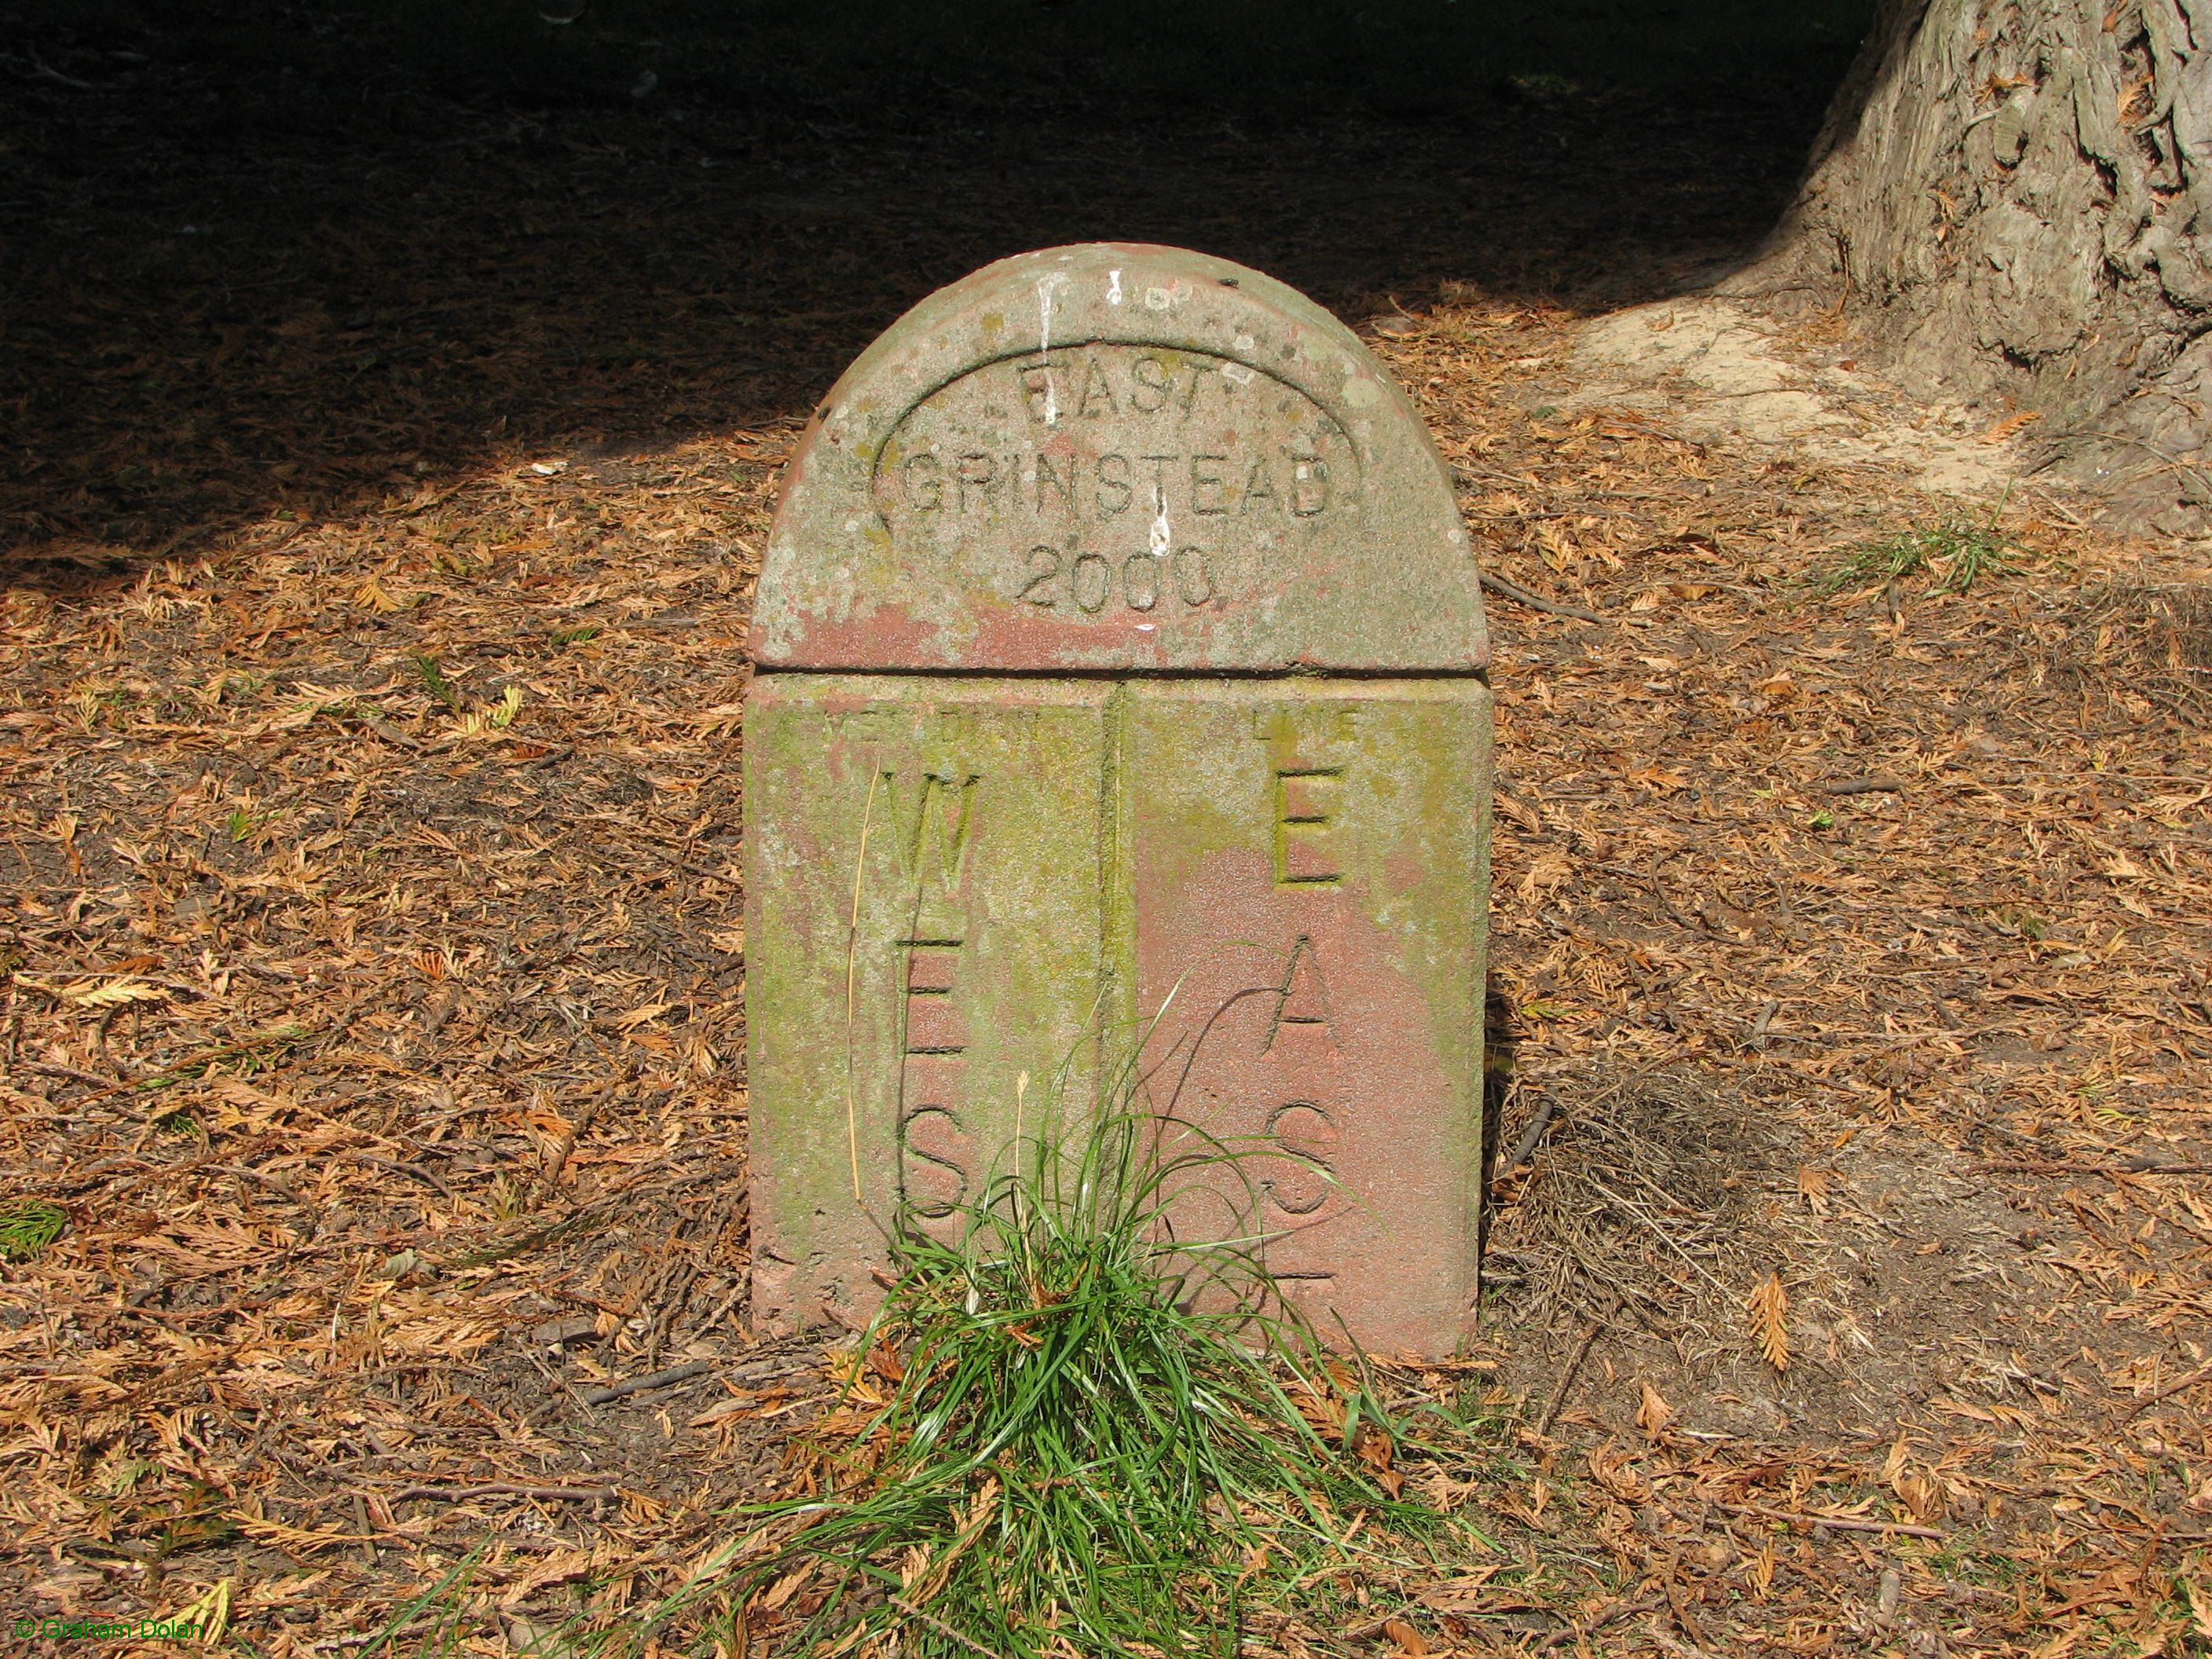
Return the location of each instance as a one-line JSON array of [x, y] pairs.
[[1119, 645]]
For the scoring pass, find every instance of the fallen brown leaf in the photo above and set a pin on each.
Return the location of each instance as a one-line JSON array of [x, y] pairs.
[[1769, 1305], [1409, 1640]]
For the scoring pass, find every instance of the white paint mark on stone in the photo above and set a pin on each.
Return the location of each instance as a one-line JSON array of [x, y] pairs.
[[1245, 343], [1236, 373], [1047, 284], [1113, 288], [1163, 533], [1146, 628], [1158, 298]]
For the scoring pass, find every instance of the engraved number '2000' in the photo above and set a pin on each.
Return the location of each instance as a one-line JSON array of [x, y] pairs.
[[1089, 582]]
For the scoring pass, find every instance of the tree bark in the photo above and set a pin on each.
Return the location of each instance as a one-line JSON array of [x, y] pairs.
[[2014, 198]]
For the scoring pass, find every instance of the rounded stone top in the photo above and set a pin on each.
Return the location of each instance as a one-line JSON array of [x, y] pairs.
[[1117, 458]]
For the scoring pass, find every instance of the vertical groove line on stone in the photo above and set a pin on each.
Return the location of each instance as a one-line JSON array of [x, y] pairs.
[[1115, 938], [851, 956]]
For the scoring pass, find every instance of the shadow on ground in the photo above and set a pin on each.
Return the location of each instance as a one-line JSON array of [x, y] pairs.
[[237, 293]]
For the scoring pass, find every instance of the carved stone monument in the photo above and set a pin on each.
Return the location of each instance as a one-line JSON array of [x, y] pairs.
[[1119, 646]]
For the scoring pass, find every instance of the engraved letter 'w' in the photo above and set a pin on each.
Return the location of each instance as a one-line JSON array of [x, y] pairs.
[[932, 822], [933, 828]]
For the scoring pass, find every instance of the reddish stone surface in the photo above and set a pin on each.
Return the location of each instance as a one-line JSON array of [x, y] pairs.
[[1120, 649], [1293, 1028], [1306, 884]]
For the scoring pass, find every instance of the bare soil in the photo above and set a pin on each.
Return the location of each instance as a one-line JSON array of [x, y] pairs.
[[378, 555], [1714, 370]]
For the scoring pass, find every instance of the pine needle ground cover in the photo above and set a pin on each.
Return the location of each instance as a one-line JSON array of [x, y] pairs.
[[385, 1055]]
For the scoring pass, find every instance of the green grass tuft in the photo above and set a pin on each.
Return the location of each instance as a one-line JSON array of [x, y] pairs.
[[444, 1607], [1960, 551], [28, 1225], [254, 1054], [1067, 1433], [434, 677]]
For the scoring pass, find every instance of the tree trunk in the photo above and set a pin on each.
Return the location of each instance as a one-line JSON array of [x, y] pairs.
[[2014, 198]]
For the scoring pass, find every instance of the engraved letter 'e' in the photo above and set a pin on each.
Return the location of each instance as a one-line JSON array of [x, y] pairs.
[[933, 1025], [1305, 812], [1206, 484], [1037, 390]]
